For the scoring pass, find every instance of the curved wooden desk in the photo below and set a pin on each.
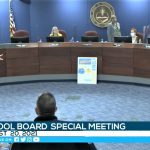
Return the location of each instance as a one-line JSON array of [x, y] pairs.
[[49, 61]]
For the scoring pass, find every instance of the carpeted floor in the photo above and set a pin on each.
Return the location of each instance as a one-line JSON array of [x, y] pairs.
[[101, 102]]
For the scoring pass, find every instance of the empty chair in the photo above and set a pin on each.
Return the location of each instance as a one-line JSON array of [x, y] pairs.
[[91, 33], [90, 36], [20, 36], [21, 33]]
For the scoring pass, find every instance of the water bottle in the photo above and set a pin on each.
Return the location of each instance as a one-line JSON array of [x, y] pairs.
[[40, 41], [102, 40]]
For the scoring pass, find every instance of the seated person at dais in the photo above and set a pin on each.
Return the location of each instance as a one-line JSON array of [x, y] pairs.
[[136, 36], [55, 32]]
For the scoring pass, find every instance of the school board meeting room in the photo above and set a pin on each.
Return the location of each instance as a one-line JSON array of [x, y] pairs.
[[83, 62]]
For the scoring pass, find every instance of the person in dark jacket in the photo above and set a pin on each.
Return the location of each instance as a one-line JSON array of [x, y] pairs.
[[45, 109]]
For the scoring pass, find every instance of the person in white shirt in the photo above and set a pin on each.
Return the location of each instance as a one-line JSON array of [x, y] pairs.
[[136, 36]]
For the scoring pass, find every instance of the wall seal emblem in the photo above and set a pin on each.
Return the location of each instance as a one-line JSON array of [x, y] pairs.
[[100, 14]]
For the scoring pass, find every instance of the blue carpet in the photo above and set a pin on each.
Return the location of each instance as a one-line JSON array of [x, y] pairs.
[[101, 102]]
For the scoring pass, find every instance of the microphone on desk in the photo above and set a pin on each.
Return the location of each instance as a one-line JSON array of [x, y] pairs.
[[72, 39]]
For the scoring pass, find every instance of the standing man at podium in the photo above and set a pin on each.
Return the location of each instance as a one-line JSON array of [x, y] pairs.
[[113, 29]]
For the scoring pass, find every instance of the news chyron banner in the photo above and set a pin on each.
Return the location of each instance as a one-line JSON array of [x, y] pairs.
[[87, 70], [32, 132]]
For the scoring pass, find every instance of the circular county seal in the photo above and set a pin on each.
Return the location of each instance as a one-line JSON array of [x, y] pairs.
[[101, 13]]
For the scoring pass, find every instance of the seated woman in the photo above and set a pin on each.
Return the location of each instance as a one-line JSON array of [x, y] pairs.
[[55, 32], [136, 36]]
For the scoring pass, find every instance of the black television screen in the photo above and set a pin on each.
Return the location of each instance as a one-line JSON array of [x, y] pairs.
[[148, 40], [123, 39], [55, 39], [20, 40], [89, 38]]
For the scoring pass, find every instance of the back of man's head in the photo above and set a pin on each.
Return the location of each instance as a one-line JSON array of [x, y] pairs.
[[46, 104]]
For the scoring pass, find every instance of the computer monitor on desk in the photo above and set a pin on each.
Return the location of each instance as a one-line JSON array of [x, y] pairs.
[[55, 39], [123, 39], [20, 40], [148, 40], [89, 39]]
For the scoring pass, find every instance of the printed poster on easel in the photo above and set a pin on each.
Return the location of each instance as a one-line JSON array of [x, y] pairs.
[[87, 70]]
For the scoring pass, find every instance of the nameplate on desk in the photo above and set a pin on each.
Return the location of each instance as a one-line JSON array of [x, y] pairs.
[[54, 44], [87, 44], [116, 45], [21, 45]]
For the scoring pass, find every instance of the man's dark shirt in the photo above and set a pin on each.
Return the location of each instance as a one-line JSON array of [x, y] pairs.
[[52, 146], [46, 118]]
